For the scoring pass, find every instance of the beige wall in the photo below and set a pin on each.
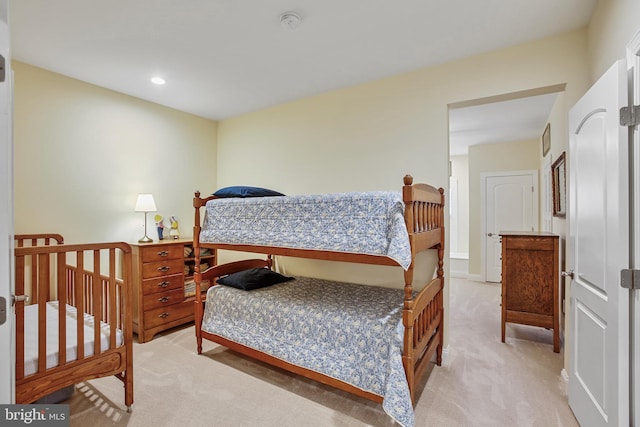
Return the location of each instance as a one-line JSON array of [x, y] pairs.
[[460, 172], [83, 153], [612, 26], [510, 156], [368, 136]]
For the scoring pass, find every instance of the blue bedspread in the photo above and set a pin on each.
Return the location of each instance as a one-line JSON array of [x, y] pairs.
[[364, 223], [350, 332]]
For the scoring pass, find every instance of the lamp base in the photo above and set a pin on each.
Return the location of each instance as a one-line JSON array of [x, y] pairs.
[[145, 239]]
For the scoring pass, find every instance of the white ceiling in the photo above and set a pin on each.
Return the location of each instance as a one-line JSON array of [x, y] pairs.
[[522, 119], [222, 58]]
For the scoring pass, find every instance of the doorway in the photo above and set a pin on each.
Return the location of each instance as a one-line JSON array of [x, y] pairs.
[[509, 203], [494, 134]]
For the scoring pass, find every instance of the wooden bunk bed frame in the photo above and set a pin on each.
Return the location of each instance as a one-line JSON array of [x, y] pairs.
[[42, 273], [422, 317]]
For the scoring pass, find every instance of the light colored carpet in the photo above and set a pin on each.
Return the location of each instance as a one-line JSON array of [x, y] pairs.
[[483, 382]]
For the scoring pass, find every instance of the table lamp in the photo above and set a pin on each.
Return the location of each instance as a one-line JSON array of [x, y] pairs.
[[146, 204]]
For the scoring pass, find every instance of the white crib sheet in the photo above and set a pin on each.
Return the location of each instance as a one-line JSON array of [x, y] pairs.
[[31, 336]]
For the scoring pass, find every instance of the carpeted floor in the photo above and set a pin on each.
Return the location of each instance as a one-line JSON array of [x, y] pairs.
[[483, 382]]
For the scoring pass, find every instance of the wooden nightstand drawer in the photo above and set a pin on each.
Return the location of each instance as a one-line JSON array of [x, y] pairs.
[[163, 252], [162, 315], [162, 299], [162, 268], [164, 283]]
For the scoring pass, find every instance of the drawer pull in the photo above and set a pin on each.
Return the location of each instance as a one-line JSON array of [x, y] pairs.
[[163, 284], [164, 268], [163, 253], [163, 315], [163, 299]]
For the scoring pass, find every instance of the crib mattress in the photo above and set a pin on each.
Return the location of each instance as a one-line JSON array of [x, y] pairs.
[[350, 332], [31, 336]]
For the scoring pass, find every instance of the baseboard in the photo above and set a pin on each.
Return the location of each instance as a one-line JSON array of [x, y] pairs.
[[445, 356], [565, 380], [459, 265], [458, 274], [475, 277]]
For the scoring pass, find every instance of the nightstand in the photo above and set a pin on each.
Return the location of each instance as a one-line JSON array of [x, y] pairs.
[[530, 281], [161, 299]]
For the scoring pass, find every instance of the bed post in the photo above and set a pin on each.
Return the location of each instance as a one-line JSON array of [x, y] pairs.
[[197, 276], [441, 277], [407, 312]]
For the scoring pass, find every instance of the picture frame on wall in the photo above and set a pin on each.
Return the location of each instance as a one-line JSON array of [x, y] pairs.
[[559, 184], [546, 140]]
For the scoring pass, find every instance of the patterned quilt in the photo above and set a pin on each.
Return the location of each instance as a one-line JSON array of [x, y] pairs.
[[350, 332], [365, 223]]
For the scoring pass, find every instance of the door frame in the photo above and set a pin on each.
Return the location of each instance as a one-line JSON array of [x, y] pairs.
[[7, 352], [633, 67], [483, 210]]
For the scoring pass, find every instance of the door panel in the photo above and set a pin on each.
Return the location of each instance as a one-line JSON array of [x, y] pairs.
[[510, 206], [599, 248]]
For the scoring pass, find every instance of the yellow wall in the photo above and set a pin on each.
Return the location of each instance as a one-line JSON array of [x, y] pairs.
[[612, 26], [83, 153], [510, 156], [368, 136]]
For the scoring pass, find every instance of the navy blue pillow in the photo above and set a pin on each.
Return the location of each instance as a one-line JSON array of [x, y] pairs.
[[245, 191], [253, 278]]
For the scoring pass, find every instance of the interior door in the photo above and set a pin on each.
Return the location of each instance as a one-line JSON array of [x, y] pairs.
[[598, 251], [510, 205], [7, 386]]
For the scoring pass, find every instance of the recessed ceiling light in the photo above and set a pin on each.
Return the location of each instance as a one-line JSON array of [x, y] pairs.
[[158, 80]]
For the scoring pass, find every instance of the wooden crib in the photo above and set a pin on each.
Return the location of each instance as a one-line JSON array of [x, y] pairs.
[[70, 294]]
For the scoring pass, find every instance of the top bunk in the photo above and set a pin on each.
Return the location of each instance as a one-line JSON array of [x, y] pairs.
[[379, 227]]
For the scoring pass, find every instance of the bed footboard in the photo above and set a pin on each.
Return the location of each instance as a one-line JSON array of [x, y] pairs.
[[76, 294]]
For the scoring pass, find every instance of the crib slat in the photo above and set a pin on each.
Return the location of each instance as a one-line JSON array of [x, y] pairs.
[[19, 308], [80, 287], [97, 302], [112, 319], [62, 314], [41, 281]]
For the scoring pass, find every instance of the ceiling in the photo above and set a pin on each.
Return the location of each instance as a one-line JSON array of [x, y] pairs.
[[222, 58], [515, 120]]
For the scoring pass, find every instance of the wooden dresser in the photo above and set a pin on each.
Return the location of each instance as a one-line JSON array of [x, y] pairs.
[[161, 277], [530, 281]]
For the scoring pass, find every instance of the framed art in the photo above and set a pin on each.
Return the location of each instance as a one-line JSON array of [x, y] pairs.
[[546, 140], [559, 184]]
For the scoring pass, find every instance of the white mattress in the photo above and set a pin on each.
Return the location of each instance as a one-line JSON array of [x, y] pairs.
[[31, 336]]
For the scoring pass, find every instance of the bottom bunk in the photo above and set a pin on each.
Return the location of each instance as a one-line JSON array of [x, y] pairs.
[[346, 335], [73, 316]]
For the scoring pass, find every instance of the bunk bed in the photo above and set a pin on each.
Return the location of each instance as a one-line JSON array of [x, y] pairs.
[[70, 294], [394, 227]]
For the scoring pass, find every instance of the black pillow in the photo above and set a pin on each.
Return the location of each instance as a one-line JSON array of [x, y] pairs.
[[244, 191], [254, 278]]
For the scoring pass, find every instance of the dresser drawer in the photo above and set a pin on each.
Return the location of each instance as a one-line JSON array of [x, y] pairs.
[[163, 252], [160, 284], [162, 268], [162, 315], [163, 299]]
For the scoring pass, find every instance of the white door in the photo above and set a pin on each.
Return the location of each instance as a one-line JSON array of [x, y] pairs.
[[633, 64], [6, 218], [598, 251], [510, 204]]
